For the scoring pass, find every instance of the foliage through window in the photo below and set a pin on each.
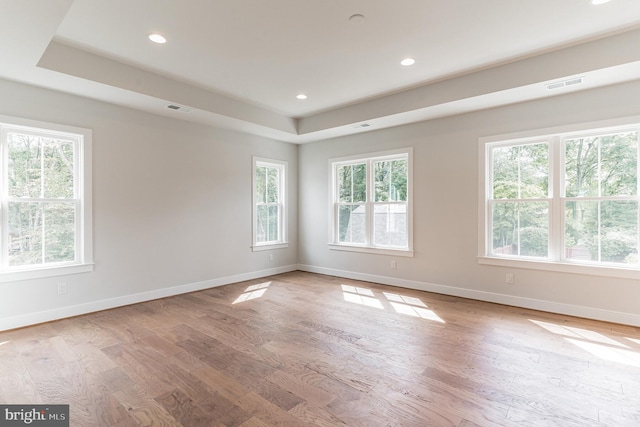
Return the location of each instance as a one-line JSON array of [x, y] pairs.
[[43, 204], [371, 201], [567, 198], [269, 202]]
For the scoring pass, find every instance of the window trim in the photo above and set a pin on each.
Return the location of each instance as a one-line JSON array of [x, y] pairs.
[[556, 264], [333, 223], [84, 251], [282, 242]]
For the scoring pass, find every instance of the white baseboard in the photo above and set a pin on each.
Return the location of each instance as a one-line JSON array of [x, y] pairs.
[[535, 304], [90, 307]]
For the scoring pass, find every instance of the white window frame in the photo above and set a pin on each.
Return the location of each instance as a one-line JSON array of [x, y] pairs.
[[555, 261], [282, 167], [82, 177], [369, 159]]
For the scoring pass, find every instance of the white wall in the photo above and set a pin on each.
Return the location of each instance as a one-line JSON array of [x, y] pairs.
[[171, 204], [446, 209], [172, 208]]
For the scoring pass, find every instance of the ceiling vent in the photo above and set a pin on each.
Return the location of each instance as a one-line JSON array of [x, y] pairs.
[[565, 83], [180, 108], [361, 126]]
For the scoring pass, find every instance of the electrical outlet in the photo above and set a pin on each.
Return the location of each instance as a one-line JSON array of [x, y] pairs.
[[394, 264], [508, 279], [270, 257], [62, 288]]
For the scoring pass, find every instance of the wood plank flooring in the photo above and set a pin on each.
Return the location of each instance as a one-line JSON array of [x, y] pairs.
[[302, 349]]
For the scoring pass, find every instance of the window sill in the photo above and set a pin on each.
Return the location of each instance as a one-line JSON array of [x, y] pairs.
[[563, 267], [269, 246], [44, 272], [378, 251]]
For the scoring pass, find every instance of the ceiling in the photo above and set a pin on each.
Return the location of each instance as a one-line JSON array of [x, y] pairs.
[[239, 64]]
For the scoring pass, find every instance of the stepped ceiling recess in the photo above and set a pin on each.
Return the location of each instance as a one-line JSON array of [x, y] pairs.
[[241, 64]]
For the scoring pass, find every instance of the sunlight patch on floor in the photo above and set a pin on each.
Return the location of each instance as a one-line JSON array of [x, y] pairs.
[[612, 354], [572, 332], [357, 290], [362, 300], [596, 343], [404, 299], [416, 311], [402, 304], [253, 292]]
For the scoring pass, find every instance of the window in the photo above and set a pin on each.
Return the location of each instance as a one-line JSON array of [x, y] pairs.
[[269, 196], [45, 200], [371, 203], [569, 198]]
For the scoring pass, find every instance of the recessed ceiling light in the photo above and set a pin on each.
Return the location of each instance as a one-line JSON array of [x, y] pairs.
[[408, 61], [301, 96], [157, 38], [600, 1]]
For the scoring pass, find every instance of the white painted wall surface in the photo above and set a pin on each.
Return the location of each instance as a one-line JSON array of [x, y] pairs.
[[446, 209], [171, 207]]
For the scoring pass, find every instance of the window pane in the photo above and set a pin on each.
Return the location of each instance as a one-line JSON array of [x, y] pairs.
[[581, 167], [619, 157], [619, 232], [390, 179], [521, 228], [60, 230], [352, 183], [273, 184], [352, 223], [505, 224], [534, 229], [267, 224], [24, 165], [505, 172], [534, 171], [390, 225], [25, 233], [602, 166], [57, 168], [615, 240], [581, 230], [261, 184], [521, 171]]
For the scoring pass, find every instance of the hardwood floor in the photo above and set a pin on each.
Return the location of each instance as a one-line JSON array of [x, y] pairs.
[[302, 349]]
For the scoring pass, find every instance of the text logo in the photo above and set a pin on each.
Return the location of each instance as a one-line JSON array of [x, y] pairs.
[[34, 415]]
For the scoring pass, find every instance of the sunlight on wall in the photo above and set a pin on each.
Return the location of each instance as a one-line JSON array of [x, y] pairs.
[[253, 292], [599, 345]]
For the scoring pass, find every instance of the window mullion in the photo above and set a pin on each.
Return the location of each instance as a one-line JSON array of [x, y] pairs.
[[557, 196], [4, 204], [369, 203]]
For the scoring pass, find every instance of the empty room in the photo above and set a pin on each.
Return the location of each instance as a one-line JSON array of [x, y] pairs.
[[319, 213]]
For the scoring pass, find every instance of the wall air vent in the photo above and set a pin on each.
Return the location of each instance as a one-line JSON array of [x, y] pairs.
[[180, 108], [565, 83]]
